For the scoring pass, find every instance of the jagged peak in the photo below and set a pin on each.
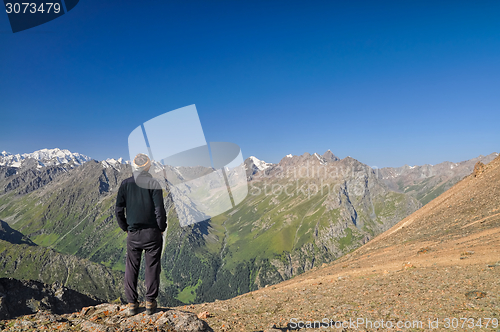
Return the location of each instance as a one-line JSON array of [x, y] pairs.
[[329, 156], [322, 160]]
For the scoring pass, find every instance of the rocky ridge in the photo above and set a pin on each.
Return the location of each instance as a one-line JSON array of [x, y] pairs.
[[33, 306], [427, 182], [25, 297], [42, 158]]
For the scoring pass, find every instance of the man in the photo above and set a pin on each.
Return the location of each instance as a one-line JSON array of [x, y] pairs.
[[141, 213]]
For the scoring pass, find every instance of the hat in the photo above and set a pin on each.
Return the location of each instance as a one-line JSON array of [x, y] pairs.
[[142, 162]]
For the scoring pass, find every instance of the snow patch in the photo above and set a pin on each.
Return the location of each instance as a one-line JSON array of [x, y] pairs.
[[322, 161]]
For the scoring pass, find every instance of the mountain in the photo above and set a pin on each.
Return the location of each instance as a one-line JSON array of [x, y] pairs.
[[111, 162], [73, 213], [254, 165], [301, 213], [427, 182], [329, 156], [436, 266], [41, 158], [22, 259], [30, 171], [266, 239]]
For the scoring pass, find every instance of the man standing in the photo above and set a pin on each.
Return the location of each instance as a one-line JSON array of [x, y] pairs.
[[141, 213]]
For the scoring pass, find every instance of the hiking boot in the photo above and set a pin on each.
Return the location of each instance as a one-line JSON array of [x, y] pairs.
[[151, 307], [133, 309]]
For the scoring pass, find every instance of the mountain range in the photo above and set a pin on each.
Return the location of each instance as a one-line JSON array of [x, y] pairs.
[[436, 270], [42, 158], [427, 182], [301, 213]]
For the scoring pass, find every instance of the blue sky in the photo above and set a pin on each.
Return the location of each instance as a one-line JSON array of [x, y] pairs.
[[386, 82]]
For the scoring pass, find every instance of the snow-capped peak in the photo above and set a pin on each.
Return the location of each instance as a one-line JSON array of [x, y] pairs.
[[260, 164], [112, 162], [45, 157], [289, 156]]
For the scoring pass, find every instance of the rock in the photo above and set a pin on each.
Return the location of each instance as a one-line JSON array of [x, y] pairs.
[[272, 328], [423, 250], [94, 327], [28, 297], [24, 324], [85, 311], [408, 265], [108, 317], [478, 169], [203, 315], [475, 295], [182, 321], [4, 312]]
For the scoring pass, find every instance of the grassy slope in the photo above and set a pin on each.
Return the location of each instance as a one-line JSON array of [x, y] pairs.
[[26, 262]]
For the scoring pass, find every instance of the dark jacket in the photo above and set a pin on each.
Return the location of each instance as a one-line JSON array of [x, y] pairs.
[[143, 204]]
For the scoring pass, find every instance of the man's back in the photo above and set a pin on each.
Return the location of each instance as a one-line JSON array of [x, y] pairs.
[[142, 198]]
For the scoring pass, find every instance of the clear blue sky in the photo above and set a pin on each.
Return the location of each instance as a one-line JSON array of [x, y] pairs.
[[386, 82]]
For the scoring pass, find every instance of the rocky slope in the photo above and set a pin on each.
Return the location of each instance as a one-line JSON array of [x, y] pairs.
[[19, 298], [34, 306], [254, 165], [22, 259], [435, 270]]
